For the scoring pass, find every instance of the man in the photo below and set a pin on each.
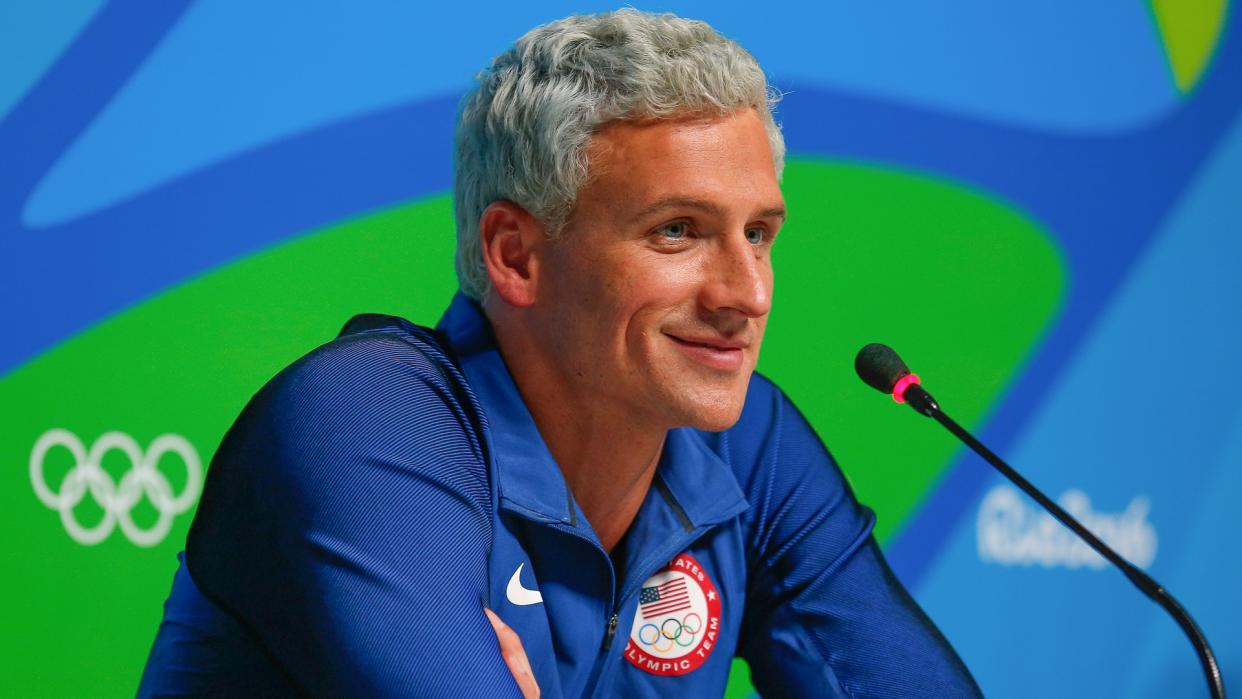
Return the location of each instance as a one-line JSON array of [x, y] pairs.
[[581, 449]]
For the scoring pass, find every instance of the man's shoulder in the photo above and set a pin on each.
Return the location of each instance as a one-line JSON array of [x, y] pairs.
[[353, 462], [383, 384], [376, 359], [372, 343]]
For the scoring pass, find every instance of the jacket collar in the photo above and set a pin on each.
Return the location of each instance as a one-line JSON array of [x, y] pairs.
[[529, 481]]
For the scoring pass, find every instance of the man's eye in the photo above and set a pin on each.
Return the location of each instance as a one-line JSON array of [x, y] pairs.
[[755, 236], [675, 230]]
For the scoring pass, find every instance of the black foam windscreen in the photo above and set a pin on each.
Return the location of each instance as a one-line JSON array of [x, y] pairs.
[[880, 367]]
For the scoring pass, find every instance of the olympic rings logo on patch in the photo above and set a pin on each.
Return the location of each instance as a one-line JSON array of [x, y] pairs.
[[116, 499], [672, 631], [677, 623]]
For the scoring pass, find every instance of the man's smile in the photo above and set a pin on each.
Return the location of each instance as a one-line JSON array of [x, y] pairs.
[[716, 352]]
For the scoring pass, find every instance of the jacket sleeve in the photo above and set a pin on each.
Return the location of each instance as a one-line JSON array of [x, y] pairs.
[[345, 525], [825, 615]]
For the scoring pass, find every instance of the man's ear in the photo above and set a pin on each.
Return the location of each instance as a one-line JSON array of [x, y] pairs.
[[509, 236]]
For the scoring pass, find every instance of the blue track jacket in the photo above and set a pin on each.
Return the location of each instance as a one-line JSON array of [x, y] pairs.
[[375, 495]]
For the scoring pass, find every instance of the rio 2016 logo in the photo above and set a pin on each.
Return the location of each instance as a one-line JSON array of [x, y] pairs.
[[117, 499]]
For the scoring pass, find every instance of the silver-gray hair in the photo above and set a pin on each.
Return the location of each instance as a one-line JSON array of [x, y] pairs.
[[523, 132]]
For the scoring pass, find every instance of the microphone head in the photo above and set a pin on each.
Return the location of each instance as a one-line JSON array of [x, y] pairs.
[[880, 367]]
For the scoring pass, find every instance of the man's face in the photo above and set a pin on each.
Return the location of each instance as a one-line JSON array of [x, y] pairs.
[[656, 295]]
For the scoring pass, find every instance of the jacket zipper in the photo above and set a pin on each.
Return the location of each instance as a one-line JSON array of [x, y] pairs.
[[602, 657], [610, 632]]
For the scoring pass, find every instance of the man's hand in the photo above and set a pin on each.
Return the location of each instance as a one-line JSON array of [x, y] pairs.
[[515, 656]]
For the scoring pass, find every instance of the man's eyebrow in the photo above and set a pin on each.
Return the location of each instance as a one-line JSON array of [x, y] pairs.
[[773, 212], [708, 207]]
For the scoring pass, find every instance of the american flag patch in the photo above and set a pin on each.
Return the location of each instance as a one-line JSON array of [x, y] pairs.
[[661, 600]]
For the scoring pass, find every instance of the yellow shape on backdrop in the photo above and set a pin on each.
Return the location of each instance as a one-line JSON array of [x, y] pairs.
[[1191, 30]]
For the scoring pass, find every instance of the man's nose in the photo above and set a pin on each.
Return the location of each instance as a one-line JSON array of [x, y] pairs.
[[740, 278]]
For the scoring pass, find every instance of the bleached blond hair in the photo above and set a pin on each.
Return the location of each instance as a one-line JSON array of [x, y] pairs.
[[523, 132]]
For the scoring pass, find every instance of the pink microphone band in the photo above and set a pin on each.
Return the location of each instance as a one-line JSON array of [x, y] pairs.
[[899, 388]]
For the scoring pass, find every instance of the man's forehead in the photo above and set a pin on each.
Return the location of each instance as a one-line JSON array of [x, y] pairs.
[[690, 162]]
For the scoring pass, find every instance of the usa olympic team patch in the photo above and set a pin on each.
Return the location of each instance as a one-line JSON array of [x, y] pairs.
[[678, 620]]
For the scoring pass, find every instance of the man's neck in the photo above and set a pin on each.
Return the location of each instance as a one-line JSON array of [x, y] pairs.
[[608, 466], [606, 454]]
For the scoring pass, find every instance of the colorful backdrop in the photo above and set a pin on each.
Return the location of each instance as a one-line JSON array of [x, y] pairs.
[[1038, 203]]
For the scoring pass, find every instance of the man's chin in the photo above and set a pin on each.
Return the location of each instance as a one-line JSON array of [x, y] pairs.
[[711, 405], [716, 416]]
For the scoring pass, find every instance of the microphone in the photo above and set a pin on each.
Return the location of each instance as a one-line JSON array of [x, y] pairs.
[[880, 367]]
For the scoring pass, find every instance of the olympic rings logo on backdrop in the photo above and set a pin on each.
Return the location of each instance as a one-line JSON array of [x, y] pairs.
[[116, 499]]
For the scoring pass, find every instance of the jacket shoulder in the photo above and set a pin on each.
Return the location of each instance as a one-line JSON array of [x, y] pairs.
[[384, 384]]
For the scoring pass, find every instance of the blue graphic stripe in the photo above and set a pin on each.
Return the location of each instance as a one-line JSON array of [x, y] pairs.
[[32, 35], [192, 103], [73, 92]]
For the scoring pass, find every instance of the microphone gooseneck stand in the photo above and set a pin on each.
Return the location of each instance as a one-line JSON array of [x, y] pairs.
[[880, 367], [1216, 684]]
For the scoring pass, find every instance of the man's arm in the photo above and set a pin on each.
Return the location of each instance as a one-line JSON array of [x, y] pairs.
[[345, 525], [825, 615]]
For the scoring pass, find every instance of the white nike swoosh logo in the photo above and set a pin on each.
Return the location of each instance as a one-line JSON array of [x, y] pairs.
[[519, 595]]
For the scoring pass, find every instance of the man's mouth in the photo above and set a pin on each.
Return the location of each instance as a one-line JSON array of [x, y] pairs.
[[718, 353]]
